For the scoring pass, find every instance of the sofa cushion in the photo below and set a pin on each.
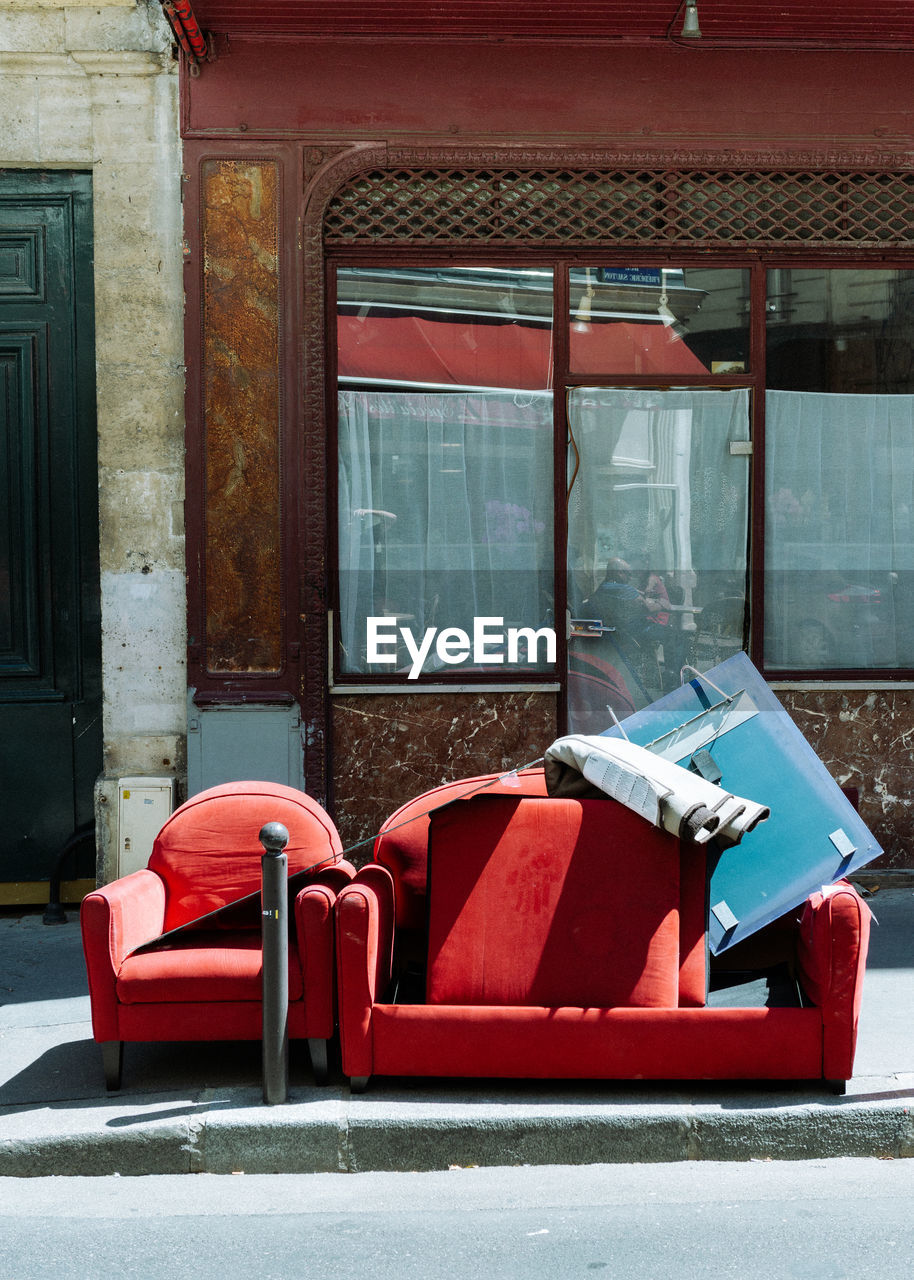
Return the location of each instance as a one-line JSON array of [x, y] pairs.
[[209, 967], [549, 902]]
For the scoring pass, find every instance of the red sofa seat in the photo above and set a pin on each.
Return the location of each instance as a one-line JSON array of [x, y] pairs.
[[211, 967], [205, 983]]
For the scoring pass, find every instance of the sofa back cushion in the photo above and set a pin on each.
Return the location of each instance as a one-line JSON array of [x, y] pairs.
[[402, 843], [208, 852], [551, 902]]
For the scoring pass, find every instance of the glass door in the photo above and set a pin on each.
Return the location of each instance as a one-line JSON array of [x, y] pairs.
[[658, 418], [658, 510]]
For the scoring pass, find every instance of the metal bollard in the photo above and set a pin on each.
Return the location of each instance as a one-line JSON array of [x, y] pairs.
[[275, 934]]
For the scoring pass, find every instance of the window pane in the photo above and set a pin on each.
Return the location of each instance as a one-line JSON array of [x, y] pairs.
[[663, 320], [840, 470], [840, 331], [445, 470], [657, 532]]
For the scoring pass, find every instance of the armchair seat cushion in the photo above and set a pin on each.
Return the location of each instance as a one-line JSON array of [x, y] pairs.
[[551, 902], [204, 967]]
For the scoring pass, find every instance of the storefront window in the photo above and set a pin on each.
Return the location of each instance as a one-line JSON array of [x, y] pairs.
[[839, 535], [445, 472], [447, 501]]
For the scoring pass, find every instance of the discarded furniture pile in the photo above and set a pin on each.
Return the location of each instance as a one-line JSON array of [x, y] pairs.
[[547, 924]]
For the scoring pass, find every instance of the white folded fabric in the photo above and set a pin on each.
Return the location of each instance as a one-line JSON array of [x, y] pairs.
[[664, 793]]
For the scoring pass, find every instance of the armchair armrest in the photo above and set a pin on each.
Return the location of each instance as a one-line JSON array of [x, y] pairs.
[[115, 920], [831, 956], [314, 927], [364, 947]]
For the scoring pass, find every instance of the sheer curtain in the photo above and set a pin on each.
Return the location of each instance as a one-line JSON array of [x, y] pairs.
[[657, 486], [839, 549], [445, 512]]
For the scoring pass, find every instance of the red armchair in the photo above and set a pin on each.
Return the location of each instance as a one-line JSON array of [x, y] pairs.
[[562, 943], [204, 983]]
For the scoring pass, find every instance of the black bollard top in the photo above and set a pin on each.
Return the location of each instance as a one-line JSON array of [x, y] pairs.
[[274, 837]]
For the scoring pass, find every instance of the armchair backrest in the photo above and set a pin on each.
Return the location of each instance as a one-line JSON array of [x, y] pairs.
[[208, 853], [551, 902]]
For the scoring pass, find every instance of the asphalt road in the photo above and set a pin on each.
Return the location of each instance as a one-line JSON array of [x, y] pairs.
[[823, 1220]]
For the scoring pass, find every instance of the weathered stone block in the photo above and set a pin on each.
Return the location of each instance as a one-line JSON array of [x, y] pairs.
[[134, 537], [132, 319], [32, 32], [64, 120], [141, 415], [112, 27], [143, 648], [19, 113]]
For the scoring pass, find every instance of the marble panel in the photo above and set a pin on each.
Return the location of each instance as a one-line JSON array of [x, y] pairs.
[[866, 740], [241, 404], [388, 748]]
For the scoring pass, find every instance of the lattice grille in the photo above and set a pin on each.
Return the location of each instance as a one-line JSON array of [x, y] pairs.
[[638, 206]]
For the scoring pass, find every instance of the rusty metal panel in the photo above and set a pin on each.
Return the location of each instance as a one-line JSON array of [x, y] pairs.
[[240, 366]]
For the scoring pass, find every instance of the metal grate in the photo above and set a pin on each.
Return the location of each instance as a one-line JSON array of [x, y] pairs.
[[639, 206]]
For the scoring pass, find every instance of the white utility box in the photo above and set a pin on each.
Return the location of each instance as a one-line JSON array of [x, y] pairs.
[[143, 807]]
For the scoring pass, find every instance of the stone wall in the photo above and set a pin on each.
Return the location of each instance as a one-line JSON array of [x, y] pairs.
[[95, 87]]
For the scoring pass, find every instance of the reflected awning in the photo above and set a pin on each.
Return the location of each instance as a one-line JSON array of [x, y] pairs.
[[412, 349]]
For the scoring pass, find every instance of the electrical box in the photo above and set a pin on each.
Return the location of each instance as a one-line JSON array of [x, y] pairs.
[[143, 807]]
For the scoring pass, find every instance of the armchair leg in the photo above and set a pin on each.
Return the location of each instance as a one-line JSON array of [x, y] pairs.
[[838, 1086], [113, 1063], [318, 1050], [358, 1084]]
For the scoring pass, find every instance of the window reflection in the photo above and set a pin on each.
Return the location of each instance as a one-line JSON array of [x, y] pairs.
[[657, 520], [445, 431], [658, 320]]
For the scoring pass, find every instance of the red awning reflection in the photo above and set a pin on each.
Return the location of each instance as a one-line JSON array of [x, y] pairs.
[[455, 353]]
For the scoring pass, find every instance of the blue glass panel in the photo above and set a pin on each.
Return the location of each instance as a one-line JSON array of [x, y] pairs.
[[814, 835]]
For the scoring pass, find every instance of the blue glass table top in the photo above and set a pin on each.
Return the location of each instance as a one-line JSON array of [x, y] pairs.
[[814, 835]]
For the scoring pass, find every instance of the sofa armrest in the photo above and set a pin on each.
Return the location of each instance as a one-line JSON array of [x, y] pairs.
[[336, 877], [313, 912], [115, 920], [364, 948], [831, 959]]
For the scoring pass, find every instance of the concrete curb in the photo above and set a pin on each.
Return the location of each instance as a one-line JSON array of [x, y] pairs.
[[330, 1131]]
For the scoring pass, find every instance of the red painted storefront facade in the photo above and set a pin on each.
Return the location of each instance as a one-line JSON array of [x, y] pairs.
[[304, 153]]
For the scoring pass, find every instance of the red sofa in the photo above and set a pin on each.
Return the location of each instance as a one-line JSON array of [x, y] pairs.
[[565, 938], [204, 983]]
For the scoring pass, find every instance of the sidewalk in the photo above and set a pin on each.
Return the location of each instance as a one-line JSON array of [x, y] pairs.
[[198, 1108]]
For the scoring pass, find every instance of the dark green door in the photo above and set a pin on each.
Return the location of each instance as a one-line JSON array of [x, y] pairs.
[[50, 647]]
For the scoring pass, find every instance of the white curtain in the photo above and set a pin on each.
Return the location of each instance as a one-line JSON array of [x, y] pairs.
[[839, 550], [445, 511]]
